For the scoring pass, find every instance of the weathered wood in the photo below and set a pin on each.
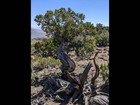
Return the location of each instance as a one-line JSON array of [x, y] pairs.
[[91, 97], [67, 63], [85, 73], [73, 79], [74, 96], [99, 100], [97, 69]]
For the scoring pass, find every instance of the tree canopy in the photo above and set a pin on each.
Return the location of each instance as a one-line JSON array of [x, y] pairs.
[[67, 26]]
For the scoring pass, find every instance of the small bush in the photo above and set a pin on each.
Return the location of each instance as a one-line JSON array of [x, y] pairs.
[[104, 71], [32, 78], [102, 40], [85, 46], [46, 47], [89, 44], [52, 61], [39, 63]]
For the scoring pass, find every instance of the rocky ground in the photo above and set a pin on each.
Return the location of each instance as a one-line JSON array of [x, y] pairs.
[[36, 89]]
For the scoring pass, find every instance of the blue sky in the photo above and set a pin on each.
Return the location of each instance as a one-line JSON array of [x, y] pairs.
[[95, 11]]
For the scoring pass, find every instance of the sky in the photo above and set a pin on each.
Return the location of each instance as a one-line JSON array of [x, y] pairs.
[[95, 11]]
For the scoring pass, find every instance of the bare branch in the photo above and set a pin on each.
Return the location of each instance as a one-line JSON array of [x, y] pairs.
[[97, 69], [73, 79], [85, 73]]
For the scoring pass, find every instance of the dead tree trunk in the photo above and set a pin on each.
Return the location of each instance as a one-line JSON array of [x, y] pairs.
[[88, 91]]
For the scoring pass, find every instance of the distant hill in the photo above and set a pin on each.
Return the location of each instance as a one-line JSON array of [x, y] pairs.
[[37, 33]]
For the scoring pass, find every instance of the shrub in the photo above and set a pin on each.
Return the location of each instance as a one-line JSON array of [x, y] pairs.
[[39, 63], [89, 44], [45, 48], [32, 78], [102, 40], [53, 62], [104, 72]]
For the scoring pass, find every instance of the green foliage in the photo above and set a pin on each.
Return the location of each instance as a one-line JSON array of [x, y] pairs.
[[89, 44], [102, 40], [85, 46], [37, 46], [80, 52], [104, 71], [52, 61], [99, 28], [50, 47], [89, 28], [64, 26], [67, 26], [40, 63], [32, 78], [46, 47]]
